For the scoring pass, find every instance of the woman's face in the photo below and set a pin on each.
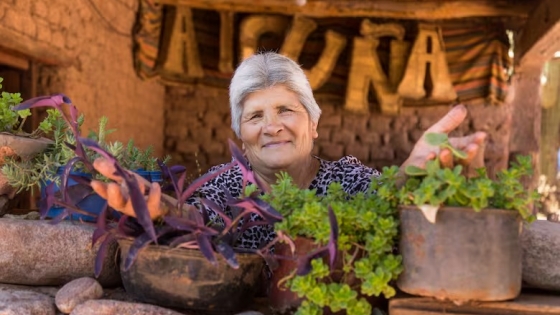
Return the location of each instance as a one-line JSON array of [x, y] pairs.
[[276, 129]]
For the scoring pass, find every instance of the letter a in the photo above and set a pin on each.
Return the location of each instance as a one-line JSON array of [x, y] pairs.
[[427, 52], [183, 48]]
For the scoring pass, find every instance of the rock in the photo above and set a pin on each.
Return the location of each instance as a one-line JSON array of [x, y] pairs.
[[36, 252], [46, 290], [110, 307], [541, 253], [76, 292], [15, 302]]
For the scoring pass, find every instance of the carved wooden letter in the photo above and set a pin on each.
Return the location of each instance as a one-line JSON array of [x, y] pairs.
[[321, 72], [226, 42], [254, 26], [427, 52], [293, 44], [366, 70], [183, 48]]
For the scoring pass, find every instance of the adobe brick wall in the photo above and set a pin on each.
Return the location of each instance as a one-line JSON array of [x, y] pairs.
[[198, 125], [90, 61]]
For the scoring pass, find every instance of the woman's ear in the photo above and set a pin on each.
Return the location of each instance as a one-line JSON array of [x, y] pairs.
[[314, 132]]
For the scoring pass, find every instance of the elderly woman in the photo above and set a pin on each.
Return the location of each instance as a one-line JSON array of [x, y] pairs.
[[275, 115]]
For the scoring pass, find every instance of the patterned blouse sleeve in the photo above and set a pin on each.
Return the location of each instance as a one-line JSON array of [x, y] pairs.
[[215, 191], [357, 176]]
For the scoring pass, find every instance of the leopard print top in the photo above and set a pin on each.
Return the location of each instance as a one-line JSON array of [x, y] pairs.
[[349, 171]]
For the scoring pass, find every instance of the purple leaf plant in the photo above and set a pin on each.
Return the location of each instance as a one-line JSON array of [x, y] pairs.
[[184, 225]]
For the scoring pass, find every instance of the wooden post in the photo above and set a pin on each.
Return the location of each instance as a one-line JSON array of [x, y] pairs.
[[226, 41], [550, 127]]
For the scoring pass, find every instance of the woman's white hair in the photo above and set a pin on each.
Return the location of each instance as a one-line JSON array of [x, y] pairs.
[[265, 70]]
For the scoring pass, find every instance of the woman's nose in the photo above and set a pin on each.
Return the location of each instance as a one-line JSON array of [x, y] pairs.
[[273, 125]]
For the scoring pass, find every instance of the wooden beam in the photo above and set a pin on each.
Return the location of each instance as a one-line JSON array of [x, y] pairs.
[[540, 37], [403, 9], [43, 52], [14, 60]]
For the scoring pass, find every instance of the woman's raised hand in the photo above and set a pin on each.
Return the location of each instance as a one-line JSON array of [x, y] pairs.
[[472, 144], [116, 193]]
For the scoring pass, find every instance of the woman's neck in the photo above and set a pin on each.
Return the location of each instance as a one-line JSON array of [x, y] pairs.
[[302, 173]]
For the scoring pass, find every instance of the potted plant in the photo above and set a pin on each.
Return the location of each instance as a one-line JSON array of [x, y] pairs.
[[195, 257], [14, 142], [356, 233], [184, 259], [47, 168], [460, 234]]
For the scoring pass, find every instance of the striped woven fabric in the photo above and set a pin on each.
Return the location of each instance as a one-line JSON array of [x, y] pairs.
[[477, 52], [147, 34], [478, 60]]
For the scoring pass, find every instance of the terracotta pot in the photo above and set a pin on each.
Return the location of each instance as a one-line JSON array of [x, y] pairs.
[[464, 256], [281, 298], [183, 278], [284, 301]]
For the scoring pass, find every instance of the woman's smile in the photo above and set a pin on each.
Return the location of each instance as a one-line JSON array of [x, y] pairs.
[[275, 144]]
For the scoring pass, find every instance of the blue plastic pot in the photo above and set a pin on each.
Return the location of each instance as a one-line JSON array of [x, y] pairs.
[[93, 203], [151, 176]]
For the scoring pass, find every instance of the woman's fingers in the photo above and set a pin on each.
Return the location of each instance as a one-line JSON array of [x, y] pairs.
[[450, 121], [446, 158], [107, 169], [461, 143], [154, 199], [100, 188], [117, 196]]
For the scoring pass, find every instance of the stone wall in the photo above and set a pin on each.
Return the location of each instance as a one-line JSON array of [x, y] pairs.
[[84, 49], [198, 126]]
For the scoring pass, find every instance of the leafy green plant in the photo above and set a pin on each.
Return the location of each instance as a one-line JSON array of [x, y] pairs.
[[23, 175], [12, 121], [367, 229], [438, 186]]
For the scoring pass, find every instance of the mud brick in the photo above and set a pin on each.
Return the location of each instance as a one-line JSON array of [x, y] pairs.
[[382, 153], [187, 147], [343, 136], [380, 124], [332, 151], [359, 150], [330, 121]]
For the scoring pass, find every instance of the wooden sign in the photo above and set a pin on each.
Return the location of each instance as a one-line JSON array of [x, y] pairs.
[[407, 69]]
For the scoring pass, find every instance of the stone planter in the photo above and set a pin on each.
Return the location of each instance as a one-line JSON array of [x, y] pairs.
[[183, 278], [36, 252], [23, 147], [464, 256]]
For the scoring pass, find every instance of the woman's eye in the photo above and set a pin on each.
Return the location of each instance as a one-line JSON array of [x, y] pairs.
[[255, 116], [283, 110]]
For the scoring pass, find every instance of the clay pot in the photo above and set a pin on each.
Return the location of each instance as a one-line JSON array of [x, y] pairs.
[[284, 301], [183, 278], [464, 256]]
